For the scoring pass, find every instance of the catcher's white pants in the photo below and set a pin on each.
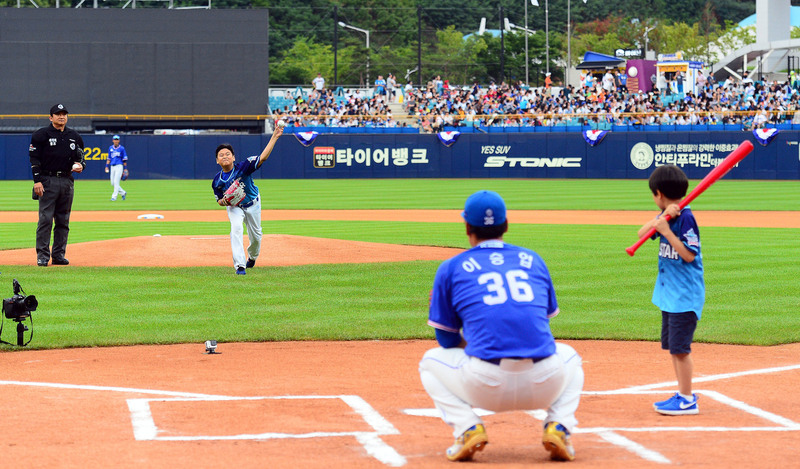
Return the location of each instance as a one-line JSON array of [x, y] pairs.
[[250, 216], [116, 177], [457, 383]]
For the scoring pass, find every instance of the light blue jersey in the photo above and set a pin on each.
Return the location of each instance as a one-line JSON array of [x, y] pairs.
[[241, 170], [502, 296], [680, 286]]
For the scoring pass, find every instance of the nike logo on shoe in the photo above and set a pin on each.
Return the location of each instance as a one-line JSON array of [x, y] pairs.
[[686, 405]]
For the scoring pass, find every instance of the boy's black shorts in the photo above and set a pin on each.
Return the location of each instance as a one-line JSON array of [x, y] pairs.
[[677, 331]]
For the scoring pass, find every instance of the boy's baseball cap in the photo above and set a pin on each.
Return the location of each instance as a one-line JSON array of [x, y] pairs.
[[484, 208], [58, 108], [115, 137]]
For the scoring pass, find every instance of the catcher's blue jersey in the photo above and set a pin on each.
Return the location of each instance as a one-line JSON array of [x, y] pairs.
[[680, 286], [502, 296], [241, 170]]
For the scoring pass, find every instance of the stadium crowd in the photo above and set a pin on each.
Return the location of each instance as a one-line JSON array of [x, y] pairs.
[[599, 101]]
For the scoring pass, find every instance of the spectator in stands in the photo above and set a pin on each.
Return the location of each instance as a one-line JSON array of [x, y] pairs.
[[380, 86], [661, 84], [701, 79], [319, 83], [622, 81], [608, 82], [391, 86]]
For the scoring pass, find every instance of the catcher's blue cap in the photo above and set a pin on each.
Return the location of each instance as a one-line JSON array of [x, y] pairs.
[[484, 208], [115, 137]]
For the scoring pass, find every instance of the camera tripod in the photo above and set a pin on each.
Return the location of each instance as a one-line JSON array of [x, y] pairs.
[[21, 328]]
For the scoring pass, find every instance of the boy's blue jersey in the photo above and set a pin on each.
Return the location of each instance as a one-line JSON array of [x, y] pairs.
[[502, 296], [241, 170], [680, 286], [117, 155]]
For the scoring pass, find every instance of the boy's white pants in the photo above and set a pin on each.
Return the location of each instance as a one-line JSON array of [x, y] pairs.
[[457, 383], [115, 173], [251, 216]]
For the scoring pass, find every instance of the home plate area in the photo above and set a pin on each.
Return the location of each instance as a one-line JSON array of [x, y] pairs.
[[335, 416], [639, 434]]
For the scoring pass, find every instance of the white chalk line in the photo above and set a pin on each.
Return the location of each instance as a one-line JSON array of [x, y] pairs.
[[706, 379], [634, 447], [144, 427]]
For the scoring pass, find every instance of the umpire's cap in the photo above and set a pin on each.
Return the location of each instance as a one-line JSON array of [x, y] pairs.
[[58, 108], [484, 208]]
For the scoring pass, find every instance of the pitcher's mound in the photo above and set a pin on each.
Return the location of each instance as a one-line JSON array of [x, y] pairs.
[[189, 251]]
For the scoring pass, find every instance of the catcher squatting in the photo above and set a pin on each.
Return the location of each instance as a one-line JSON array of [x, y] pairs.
[[234, 189]]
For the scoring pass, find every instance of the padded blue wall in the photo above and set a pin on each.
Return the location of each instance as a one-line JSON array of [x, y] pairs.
[[474, 155]]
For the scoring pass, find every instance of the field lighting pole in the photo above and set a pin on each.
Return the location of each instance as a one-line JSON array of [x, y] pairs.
[[345, 25], [508, 25], [527, 77]]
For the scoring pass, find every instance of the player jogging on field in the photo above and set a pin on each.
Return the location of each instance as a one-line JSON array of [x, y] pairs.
[[116, 163], [491, 307], [247, 210]]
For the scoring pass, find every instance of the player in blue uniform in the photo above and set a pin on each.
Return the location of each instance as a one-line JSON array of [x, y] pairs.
[[680, 288], [116, 163], [247, 211], [490, 307]]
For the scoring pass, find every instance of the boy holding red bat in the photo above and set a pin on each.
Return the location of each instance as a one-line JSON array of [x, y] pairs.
[[680, 288]]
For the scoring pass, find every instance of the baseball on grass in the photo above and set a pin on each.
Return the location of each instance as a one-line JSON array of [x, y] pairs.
[[76, 166]]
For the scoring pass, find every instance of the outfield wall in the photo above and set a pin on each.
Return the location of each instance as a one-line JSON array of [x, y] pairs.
[[620, 155]]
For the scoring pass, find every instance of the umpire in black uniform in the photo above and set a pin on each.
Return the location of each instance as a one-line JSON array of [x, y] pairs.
[[56, 152]]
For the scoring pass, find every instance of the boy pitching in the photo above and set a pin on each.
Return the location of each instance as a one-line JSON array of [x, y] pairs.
[[680, 288], [248, 210]]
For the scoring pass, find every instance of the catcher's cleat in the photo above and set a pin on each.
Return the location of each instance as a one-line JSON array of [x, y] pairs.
[[556, 440], [250, 263], [470, 442], [240, 271]]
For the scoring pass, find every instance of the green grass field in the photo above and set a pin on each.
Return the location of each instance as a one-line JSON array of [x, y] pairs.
[[751, 273]]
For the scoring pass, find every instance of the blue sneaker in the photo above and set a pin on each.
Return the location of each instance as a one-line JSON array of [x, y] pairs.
[[241, 271], [124, 195], [679, 406], [661, 403]]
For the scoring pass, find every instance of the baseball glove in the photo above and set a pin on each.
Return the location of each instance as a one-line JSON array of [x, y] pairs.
[[125, 174], [234, 194]]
